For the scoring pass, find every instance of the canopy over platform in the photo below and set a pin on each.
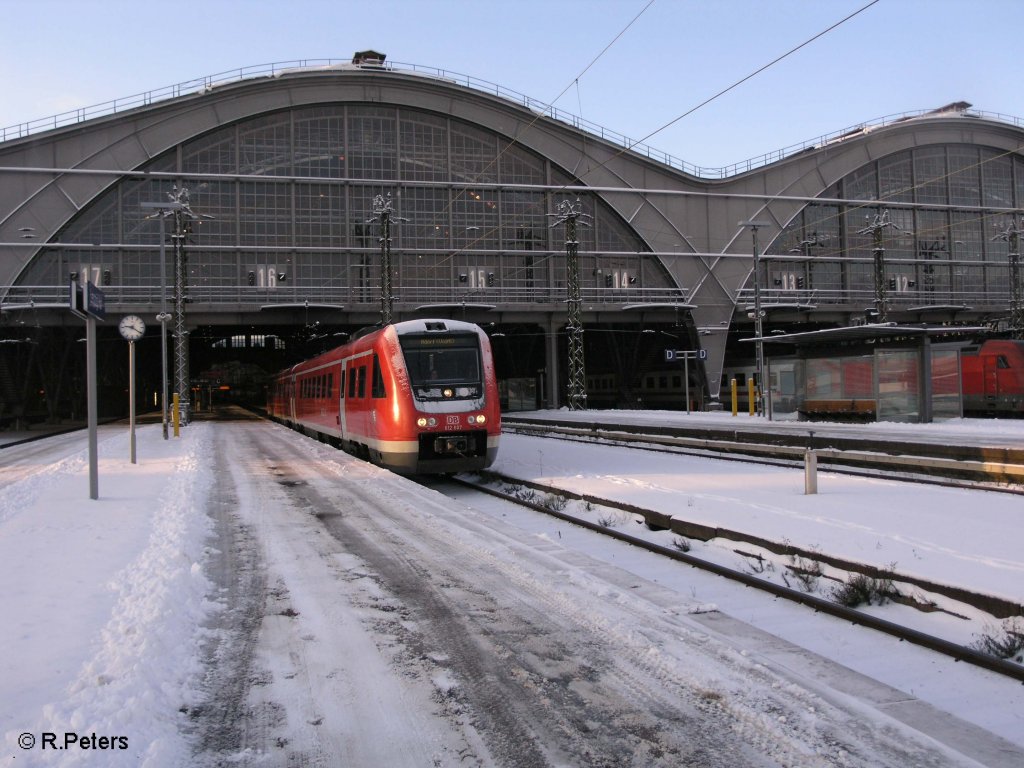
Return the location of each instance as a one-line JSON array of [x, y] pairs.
[[880, 371], [871, 332]]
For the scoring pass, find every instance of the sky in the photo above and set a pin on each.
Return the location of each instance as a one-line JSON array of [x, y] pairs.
[[632, 66], [108, 603]]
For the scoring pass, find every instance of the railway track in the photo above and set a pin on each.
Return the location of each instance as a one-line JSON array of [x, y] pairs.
[[992, 467], [819, 604]]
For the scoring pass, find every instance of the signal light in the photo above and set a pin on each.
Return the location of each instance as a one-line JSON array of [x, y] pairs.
[[252, 278]]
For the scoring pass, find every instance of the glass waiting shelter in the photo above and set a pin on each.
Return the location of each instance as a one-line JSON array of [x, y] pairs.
[[875, 372]]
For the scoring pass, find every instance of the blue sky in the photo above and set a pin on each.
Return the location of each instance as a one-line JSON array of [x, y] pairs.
[[896, 56]]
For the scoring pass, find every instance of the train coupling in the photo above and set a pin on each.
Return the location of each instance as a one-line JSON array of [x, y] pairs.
[[457, 444]]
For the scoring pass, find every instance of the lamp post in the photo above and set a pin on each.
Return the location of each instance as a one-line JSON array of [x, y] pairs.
[[177, 206], [161, 212], [570, 214], [385, 214], [758, 313], [878, 225], [1011, 236]]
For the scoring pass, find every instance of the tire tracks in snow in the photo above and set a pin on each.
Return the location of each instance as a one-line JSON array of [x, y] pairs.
[[530, 656]]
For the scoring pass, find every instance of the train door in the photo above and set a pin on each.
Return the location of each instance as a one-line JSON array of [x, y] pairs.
[[345, 394], [341, 400], [291, 398], [990, 379]]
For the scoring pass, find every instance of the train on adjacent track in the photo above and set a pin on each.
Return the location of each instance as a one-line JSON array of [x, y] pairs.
[[416, 397], [991, 384]]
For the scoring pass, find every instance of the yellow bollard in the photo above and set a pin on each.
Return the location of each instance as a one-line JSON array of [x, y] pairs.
[[735, 396], [175, 414], [750, 395]]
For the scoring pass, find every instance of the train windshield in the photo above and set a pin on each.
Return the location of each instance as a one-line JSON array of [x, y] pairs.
[[451, 361]]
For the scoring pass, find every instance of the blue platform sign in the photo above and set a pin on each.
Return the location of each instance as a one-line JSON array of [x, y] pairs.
[[95, 302]]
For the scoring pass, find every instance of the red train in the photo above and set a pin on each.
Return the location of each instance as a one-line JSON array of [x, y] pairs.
[[416, 397], [991, 383], [993, 378]]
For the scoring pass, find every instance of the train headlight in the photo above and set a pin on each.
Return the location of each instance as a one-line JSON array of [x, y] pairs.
[[479, 419], [421, 422], [431, 422], [448, 392]]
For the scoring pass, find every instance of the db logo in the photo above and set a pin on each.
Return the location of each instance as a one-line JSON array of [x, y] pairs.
[[452, 420]]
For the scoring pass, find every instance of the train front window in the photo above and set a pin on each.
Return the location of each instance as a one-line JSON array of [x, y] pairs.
[[440, 364]]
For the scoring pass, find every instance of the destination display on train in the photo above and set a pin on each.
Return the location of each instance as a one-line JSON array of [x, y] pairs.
[[419, 342]]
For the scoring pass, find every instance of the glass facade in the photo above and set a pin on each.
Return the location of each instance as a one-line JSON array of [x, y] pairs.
[[949, 254], [295, 220]]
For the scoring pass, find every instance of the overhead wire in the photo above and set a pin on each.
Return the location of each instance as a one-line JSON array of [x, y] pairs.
[[704, 103], [758, 71], [536, 118], [847, 211]]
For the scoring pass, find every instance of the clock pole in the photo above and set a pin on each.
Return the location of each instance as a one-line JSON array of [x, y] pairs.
[[131, 397], [132, 328]]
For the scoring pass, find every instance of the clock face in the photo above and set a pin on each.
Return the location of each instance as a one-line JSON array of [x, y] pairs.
[[132, 327]]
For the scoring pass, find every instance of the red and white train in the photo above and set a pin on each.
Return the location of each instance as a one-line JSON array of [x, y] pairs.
[[416, 397], [991, 384]]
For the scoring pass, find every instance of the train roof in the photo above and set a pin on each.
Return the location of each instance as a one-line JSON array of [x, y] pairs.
[[404, 328], [435, 326]]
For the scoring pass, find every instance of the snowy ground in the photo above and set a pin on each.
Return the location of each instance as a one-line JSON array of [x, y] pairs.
[[103, 600], [113, 607], [958, 537]]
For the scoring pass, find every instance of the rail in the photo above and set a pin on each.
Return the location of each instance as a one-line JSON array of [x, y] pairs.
[[822, 605], [306, 66], [999, 466]]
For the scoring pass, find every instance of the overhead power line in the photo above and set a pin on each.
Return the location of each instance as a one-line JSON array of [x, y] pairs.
[[758, 71]]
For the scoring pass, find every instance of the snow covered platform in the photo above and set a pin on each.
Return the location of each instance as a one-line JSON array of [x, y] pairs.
[[108, 603]]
